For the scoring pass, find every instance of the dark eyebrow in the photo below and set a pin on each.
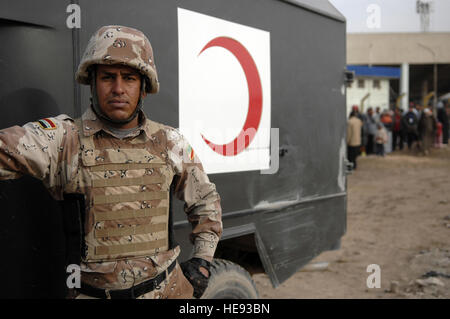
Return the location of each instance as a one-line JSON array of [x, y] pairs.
[[107, 73]]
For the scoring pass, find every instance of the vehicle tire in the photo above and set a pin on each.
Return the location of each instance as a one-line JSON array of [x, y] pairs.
[[229, 281]]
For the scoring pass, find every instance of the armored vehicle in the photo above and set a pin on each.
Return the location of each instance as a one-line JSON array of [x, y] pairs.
[[274, 67]]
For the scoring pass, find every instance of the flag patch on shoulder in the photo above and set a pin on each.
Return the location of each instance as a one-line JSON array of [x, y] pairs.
[[190, 152], [47, 124]]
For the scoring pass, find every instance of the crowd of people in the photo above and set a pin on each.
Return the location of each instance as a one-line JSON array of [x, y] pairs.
[[416, 128]]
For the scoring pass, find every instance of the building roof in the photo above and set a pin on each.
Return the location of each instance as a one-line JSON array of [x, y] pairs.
[[375, 71], [398, 48]]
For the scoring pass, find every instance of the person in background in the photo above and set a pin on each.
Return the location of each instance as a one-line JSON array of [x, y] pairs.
[[410, 124], [443, 119], [377, 114], [397, 135], [381, 138], [370, 128], [386, 120], [438, 137], [427, 130], [418, 109], [361, 117], [354, 126], [358, 114]]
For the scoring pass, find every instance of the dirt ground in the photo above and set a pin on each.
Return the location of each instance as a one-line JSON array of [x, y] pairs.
[[398, 217]]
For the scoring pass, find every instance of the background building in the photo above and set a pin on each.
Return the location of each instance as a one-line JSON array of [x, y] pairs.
[[412, 35], [423, 58], [371, 87]]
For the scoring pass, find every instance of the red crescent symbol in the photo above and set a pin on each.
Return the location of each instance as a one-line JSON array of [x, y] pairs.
[[248, 132]]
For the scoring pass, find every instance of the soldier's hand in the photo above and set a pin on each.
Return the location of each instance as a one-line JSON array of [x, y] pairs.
[[194, 270]]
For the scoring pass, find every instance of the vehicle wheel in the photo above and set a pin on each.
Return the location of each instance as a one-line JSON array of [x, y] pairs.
[[229, 281]]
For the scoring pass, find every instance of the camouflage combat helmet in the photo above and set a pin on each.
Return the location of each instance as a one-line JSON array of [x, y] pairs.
[[120, 45]]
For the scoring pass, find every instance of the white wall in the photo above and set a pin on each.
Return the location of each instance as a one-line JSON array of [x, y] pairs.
[[378, 97]]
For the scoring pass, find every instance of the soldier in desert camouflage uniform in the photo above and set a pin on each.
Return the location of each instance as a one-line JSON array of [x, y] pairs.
[[124, 165]]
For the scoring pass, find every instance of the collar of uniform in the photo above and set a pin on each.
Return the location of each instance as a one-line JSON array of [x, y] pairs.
[[92, 124]]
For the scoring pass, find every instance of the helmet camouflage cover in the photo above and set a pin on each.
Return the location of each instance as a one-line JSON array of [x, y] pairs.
[[119, 45]]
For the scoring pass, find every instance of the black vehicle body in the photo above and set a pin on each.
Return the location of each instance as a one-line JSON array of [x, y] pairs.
[[289, 217]]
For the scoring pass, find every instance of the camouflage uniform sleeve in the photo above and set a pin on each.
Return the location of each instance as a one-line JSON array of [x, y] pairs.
[[46, 149], [202, 202]]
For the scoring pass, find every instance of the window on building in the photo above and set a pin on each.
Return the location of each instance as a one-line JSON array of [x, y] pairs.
[[361, 83], [376, 84]]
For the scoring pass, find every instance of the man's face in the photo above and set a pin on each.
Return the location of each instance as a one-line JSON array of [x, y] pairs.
[[118, 90]]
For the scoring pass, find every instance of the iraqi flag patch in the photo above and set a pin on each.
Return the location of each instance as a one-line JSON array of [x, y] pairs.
[[47, 124], [190, 152]]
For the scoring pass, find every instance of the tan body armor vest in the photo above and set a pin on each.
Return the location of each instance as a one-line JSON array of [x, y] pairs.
[[126, 187]]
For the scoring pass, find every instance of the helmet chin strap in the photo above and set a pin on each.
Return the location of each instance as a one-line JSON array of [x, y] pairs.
[[98, 111]]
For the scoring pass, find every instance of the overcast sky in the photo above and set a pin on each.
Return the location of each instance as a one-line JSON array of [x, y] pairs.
[[394, 15]]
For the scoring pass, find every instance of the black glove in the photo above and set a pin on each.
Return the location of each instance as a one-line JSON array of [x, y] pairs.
[[191, 270]]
